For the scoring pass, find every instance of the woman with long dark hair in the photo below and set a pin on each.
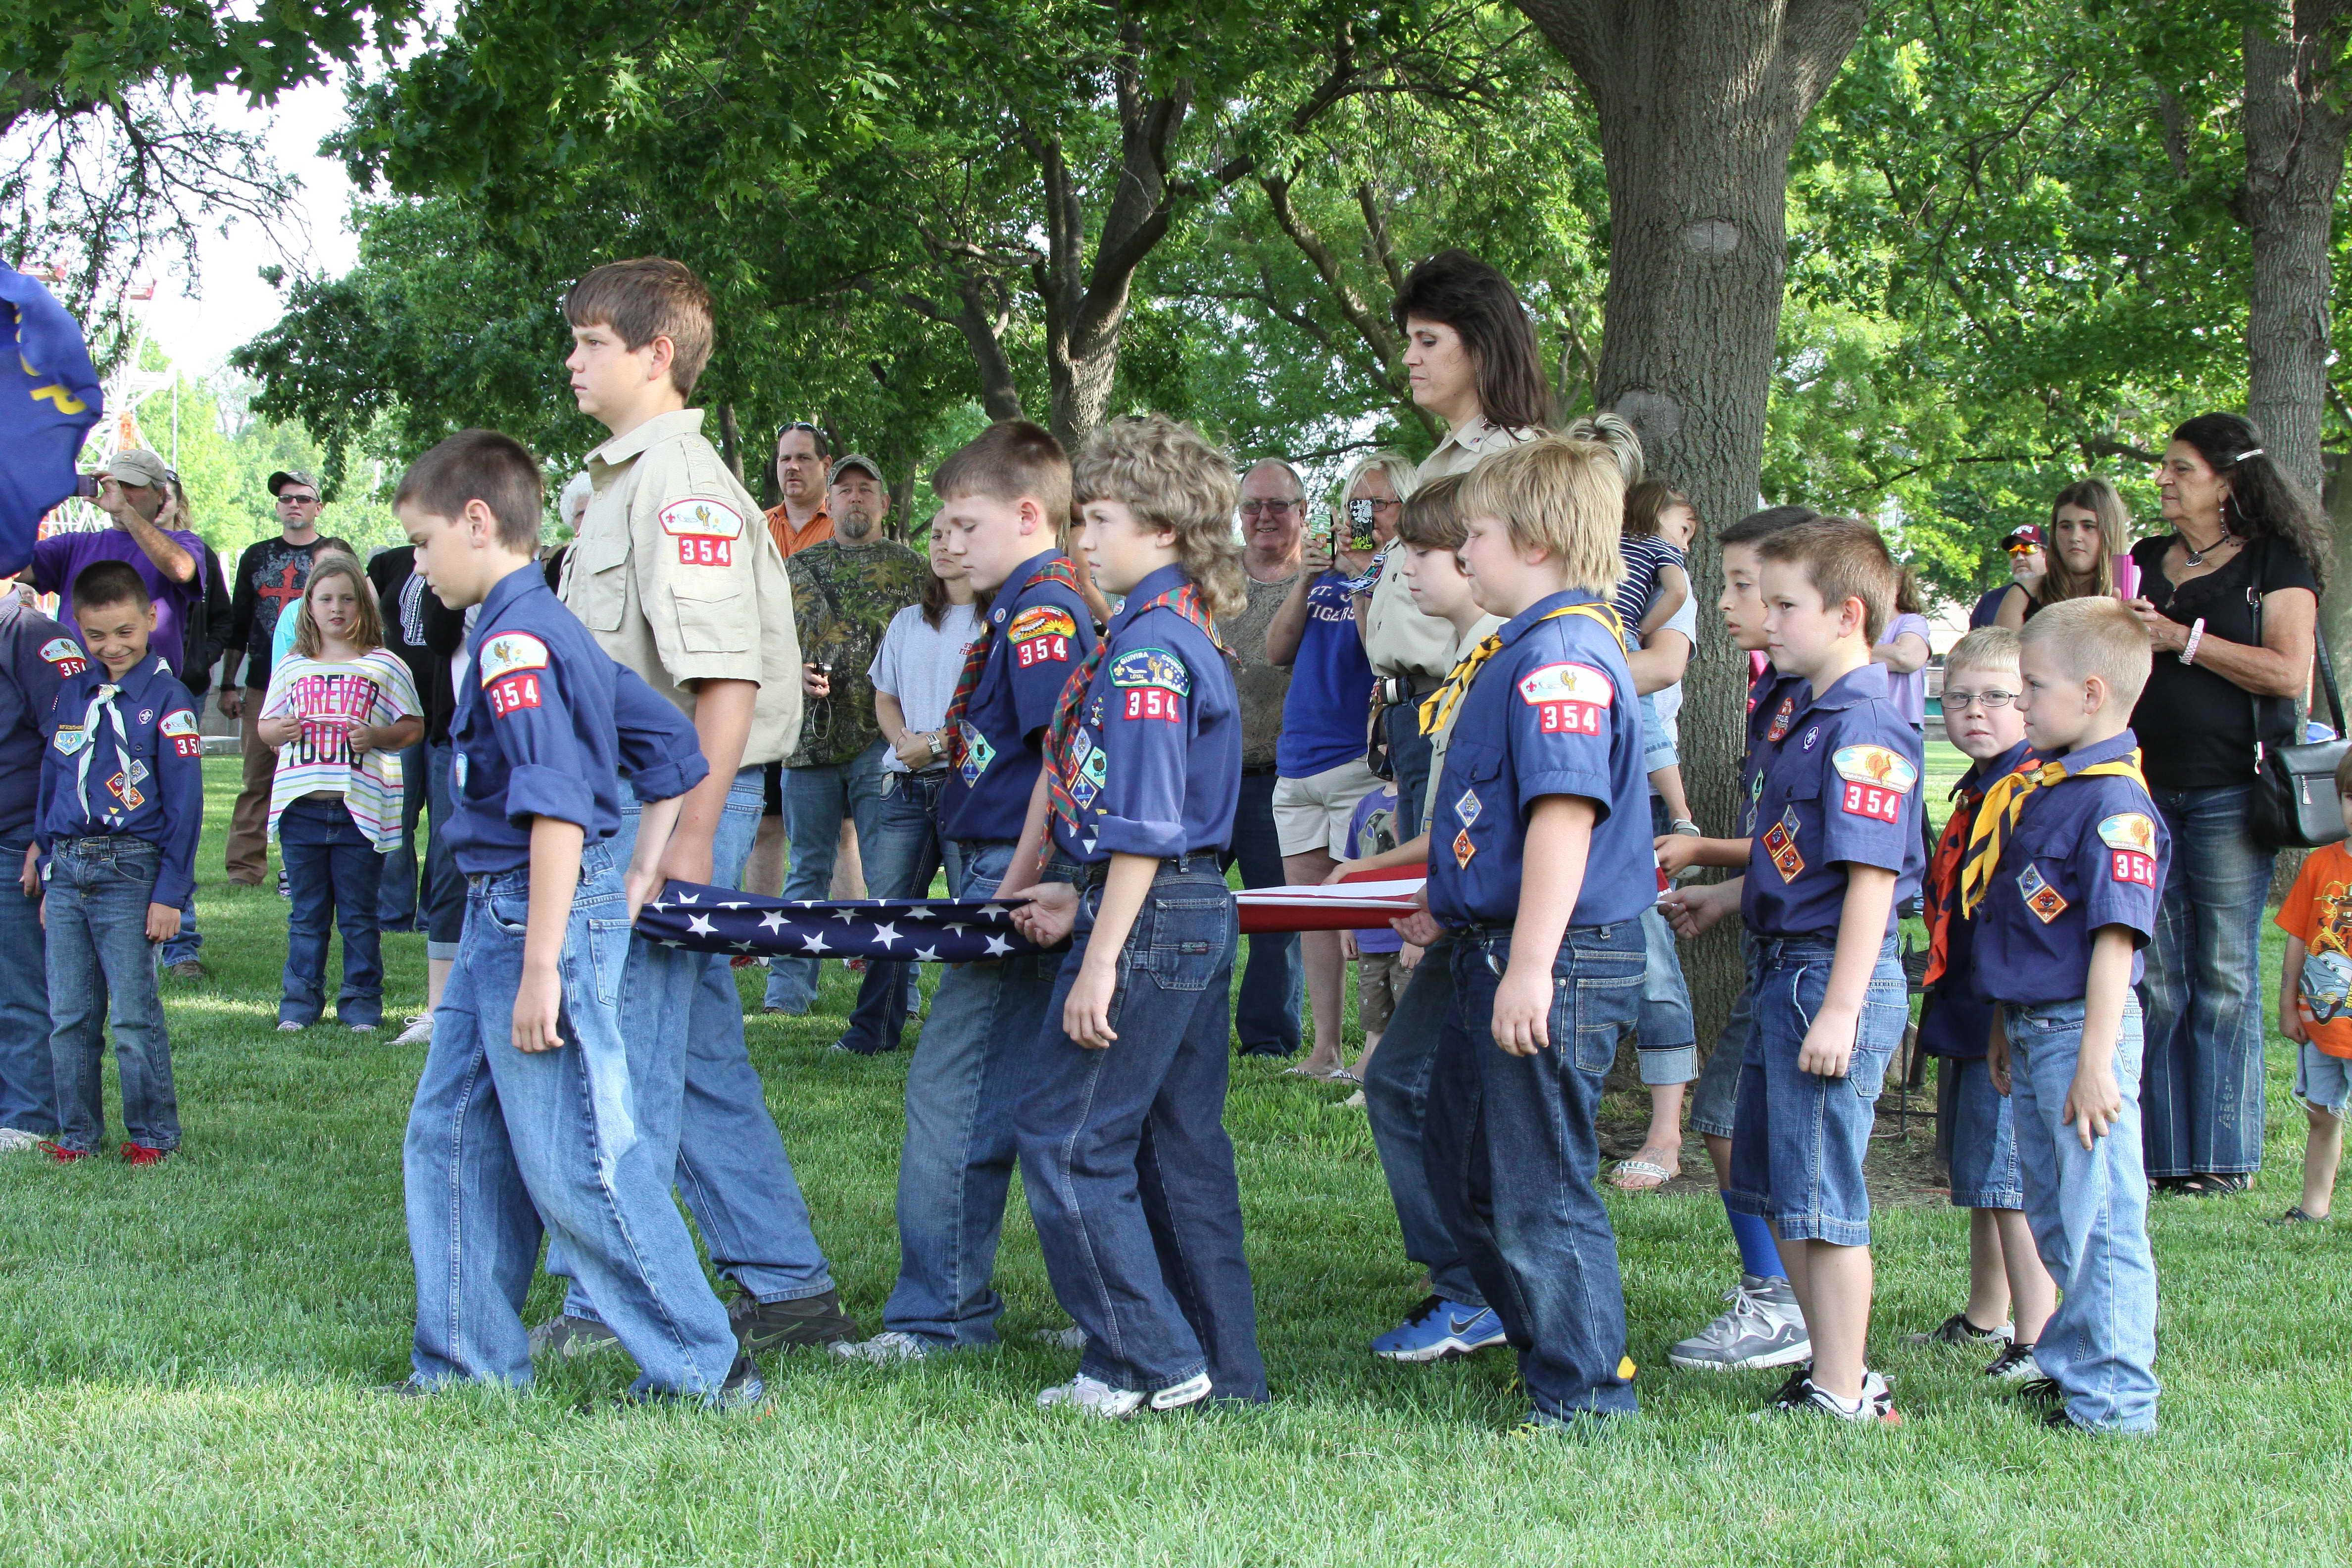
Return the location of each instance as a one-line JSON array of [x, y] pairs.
[[2230, 600], [2089, 528]]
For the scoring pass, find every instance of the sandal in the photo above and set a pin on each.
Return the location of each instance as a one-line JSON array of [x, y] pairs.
[[2170, 1186], [2296, 1216], [2217, 1183], [1639, 1166]]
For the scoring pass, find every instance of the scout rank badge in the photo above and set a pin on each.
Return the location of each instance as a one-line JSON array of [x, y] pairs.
[[706, 531], [1090, 764], [510, 661], [122, 789], [1780, 843], [977, 753], [1569, 699], [65, 656], [1151, 683], [1877, 780], [1781, 718], [2130, 838], [180, 727], [2044, 901], [1041, 635], [1463, 850]]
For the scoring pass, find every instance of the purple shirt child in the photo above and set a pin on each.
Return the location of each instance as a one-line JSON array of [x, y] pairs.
[[1360, 842]]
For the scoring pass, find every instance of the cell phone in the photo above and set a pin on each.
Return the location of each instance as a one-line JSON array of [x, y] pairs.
[[86, 485], [1359, 525], [2126, 571]]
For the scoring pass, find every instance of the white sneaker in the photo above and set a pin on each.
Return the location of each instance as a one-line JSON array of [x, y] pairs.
[[888, 1346], [1762, 1329], [16, 1140], [1073, 1337], [418, 1033], [1096, 1397], [290, 1027], [2015, 1364]]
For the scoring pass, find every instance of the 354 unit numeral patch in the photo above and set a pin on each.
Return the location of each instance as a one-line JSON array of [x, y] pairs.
[[1569, 699], [513, 694]]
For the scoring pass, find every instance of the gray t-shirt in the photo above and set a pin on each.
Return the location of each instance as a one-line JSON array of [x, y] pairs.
[[920, 666], [1262, 687]]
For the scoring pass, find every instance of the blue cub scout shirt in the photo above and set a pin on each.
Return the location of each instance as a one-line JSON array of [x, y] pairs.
[[124, 760], [1958, 1022], [1773, 699], [1038, 633], [2087, 853], [547, 724], [36, 657], [1156, 756], [1552, 713], [1842, 789]]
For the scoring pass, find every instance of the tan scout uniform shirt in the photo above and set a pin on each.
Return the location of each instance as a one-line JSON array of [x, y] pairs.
[[1484, 627], [676, 575], [1398, 639]]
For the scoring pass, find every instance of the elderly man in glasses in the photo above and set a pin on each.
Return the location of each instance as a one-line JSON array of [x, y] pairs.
[[270, 577]]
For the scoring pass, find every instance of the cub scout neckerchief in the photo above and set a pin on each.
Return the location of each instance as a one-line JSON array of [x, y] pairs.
[[1944, 872], [1185, 600], [102, 701], [1057, 568], [2004, 803], [1442, 702]]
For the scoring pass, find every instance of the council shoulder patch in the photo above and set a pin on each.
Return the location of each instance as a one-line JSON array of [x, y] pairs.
[[1569, 699], [1151, 667], [179, 726], [66, 655], [1042, 621], [178, 721], [2129, 830], [701, 517], [510, 651], [1877, 767]]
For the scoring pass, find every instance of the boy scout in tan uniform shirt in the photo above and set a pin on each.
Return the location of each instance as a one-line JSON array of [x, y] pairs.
[[676, 575]]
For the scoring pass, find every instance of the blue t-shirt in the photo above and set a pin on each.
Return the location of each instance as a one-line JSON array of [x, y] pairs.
[[1325, 714], [1381, 939], [37, 656]]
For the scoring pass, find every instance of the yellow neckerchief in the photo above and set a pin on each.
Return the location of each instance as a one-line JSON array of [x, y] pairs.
[[2004, 803], [1440, 706]]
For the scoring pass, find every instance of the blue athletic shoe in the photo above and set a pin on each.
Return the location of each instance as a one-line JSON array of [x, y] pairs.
[[1440, 1329]]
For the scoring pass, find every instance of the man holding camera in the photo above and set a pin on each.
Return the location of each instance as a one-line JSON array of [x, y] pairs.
[[845, 590], [132, 490]]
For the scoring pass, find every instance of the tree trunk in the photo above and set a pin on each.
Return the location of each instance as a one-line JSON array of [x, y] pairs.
[[731, 441], [1699, 102]]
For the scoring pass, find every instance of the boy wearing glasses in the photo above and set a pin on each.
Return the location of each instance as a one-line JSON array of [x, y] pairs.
[[271, 575]]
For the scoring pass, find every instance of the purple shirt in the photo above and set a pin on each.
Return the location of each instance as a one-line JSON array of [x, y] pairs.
[[60, 558], [1907, 693]]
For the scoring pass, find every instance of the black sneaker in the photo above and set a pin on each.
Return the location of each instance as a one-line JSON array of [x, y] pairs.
[[744, 1387], [2056, 1418], [2014, 1364], [1957, 1329], [2043, 1391], [763, 1326], [1793, 1388]]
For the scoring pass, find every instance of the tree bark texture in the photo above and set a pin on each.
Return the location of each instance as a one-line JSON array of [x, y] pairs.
[[1699, 102]]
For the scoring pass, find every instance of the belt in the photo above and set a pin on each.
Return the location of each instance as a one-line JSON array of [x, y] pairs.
[[1093, 873]]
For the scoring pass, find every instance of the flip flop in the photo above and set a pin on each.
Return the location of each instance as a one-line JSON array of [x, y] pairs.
[[1640, 1168]]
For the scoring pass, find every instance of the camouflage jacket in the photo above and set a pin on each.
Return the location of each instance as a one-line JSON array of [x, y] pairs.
[[842, 598]]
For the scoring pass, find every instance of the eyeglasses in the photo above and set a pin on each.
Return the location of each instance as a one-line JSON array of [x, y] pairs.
[[1378, 504], [1252, 508], [285, 499], [1959, 702]]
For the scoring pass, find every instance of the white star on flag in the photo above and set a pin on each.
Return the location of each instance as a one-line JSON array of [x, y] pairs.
[[928, 954], [886, 934], [845, 914], [998, 947], [922, 914], [991, 909], [699, 926], [815, 942], [772, 920]]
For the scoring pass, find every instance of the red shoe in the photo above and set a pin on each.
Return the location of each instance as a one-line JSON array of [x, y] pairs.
[[63, 1155], [141, 1155]]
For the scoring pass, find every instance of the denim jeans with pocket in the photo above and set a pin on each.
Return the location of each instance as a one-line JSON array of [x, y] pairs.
[[1715, 1098], [503, 1142], [816, 802], [333, 878], [99, 961], [396, 902], [2202, 1095], [1129, 1171], [1975, 1131], [1396, 1103], [1513, 1156], [901, 855], [956, 1163], [1267, 1016], [2088, 1208], [28, 1083]]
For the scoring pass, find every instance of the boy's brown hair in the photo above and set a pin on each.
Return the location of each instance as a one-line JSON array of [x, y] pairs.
[[1010, 460], [104, 583], [2095, 637], [648, 298], [1432, 517], [487, 466], [1169, 476], [1843, 559], [1987, 648], [1556, 494], [367, 634]]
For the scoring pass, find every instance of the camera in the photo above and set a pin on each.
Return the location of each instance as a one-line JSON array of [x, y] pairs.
[[1359, 525], [821, 667], [86, 485], [1390, 689]]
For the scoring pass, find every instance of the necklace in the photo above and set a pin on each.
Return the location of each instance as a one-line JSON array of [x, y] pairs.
[[2196, 553]]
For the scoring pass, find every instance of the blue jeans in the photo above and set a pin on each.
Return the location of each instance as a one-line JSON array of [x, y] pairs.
[[189, 943], [704, 1103], [1396, 1102], [444, 913], [1513, 1156], [816, 800], [28, 1083], [1975, 1133], [956, 1165], [395, 907], [333, 875], [1273, 982], [2203, 1090], [1664, 1032], [501, 1143], [1715, 1098], [901, 855], [2088, 1208], [97, 957], [1798, 1138], [1131, 1174]]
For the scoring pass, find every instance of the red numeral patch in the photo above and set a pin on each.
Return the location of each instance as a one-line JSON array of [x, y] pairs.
[[515, 692], [1040, 651], [2131, 868], [704, 549], [1569, 718], [1151, 702], [1869, 800], [188, 745]]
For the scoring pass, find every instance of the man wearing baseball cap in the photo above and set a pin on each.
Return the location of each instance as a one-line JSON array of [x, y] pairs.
[[132, 491], [2026, 563], [270, 577]]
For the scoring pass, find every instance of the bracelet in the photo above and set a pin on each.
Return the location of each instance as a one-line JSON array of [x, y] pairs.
[[2196, 635]]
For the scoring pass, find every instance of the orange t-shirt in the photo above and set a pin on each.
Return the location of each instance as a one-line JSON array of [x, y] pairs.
[[789, 539], [2318, 913]]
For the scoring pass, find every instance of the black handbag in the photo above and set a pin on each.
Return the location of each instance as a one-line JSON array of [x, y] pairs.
[[2294, 804]]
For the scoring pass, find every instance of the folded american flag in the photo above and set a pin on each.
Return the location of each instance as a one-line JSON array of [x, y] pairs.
[[722, 920]]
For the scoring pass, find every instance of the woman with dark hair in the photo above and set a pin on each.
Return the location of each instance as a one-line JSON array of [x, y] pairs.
[[2089, 528], [2230, 600]]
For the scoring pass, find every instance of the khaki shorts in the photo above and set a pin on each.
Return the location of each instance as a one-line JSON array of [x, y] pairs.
[[1313, 813], [1380, 982]]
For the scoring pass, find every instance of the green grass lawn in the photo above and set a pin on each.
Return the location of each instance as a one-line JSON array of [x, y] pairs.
[[188, 1351]]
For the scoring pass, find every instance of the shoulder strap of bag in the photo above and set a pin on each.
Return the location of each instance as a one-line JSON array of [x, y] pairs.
[[2323, 663]]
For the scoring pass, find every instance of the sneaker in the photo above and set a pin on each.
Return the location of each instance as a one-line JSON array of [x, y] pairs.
[[419, 1031], [1876, 1405], [16, 1140], [187, 969], [569, 1336], [63, 1155], [289, 1026], [1073, 1337], [1440, 1329], [1957, 1329], [362, 1028], [763, 1326], [144, 1154], [1761, 1329], [1096, 1397], [744, 1387], [2042, 1391], [2014, 1364], [884, 1348], [1792, 1387]]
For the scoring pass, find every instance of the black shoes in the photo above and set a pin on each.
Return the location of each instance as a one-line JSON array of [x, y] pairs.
[[763, 1326]]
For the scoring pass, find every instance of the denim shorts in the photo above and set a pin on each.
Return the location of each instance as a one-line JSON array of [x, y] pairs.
[[2323, 1080], [1975, 1137], [1715, 1098], [1797, 1139]]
